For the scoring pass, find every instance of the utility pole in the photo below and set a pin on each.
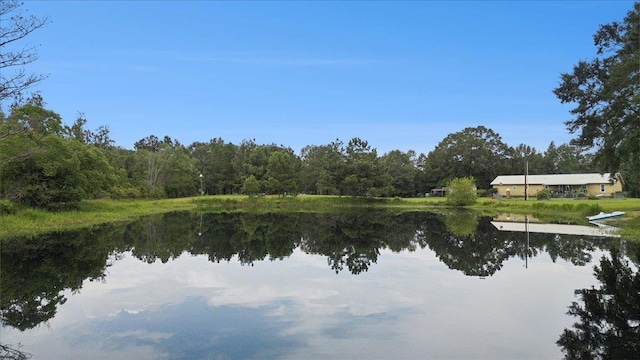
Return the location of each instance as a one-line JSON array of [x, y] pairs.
[[526, 185]]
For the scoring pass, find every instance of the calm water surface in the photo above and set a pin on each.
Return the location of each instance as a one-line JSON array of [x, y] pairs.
[[367, 285]]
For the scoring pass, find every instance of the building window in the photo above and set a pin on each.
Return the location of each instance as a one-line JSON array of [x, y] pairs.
[[584, 187], [601, 187]]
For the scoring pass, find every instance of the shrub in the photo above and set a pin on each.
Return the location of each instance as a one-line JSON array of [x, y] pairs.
[[580, 196], [251, 186], [543, 194], [462, 191], [157, 193], [7, 207], [126, 192]]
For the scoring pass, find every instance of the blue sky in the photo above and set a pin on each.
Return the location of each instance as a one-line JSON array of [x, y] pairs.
[[400, 75]]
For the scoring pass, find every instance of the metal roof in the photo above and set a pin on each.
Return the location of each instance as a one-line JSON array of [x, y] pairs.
[[553, 179]]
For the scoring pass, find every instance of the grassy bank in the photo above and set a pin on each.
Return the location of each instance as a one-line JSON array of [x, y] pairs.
[[570, 210], [307, 203], [30, 222]]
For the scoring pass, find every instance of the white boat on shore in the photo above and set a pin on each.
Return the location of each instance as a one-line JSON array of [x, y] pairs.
[[606, 216]]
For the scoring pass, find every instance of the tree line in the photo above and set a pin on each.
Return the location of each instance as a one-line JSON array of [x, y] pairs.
[[44, 163]]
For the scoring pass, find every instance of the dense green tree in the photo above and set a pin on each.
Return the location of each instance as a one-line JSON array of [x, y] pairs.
[[523, 157], [605, 92], [573, 160], [258, 160], [551, 157], [224, 174], [251, 186], [240, 163], [311, 168], [282, 172], [32, 119], [434, 171], [363, 172], [170, 170], [252, 159], [214, 160], [334, 169], [180, 177], [476, 152], [422, 181], [157, 163], [60, 174], [401, 169], [41, 168], [631, 178], [130, 167], [567, 159]]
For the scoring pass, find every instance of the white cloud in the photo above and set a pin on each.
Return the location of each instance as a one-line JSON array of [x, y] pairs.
[[409, 302]]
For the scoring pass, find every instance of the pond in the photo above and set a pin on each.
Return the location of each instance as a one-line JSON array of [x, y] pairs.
[[346, 285]]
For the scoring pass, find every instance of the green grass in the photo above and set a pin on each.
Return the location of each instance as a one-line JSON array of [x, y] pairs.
[[30, 222], [565, 206], [569, 211], [308, 202], [606, 205]]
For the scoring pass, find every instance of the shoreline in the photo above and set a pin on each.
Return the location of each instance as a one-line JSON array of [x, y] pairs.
[[26, 222]]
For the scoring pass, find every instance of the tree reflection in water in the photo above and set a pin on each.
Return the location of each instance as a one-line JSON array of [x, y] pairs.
[[609, 317], [8, 352], [36, 272]]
